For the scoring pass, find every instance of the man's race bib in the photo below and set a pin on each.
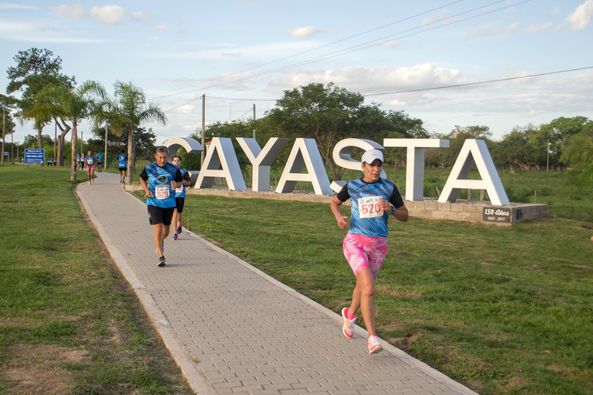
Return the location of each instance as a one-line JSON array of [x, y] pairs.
[[179, 190], [161, 191], [370, 207]]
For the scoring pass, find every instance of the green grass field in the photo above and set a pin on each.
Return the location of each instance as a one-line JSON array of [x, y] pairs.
[[68, 322], [503, 310]]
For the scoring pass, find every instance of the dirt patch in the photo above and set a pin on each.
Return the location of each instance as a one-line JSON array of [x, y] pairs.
[[403, 343], [398, 293], [117, 334], [37, 369], [33, 380]]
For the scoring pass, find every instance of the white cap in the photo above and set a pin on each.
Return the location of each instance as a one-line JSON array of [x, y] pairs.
[[371, 155]]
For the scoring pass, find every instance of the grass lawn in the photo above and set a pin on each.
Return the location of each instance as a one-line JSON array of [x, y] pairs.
[[68, 321], [503, 310]]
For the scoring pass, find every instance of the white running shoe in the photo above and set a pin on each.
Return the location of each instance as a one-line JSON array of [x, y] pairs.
[[348, 326], [374, 345]]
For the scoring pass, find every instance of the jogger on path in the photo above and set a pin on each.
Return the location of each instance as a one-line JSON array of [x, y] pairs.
[[159, 181], [365, 244]]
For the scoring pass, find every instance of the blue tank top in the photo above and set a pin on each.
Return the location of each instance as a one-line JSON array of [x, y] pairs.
[[90, 160], [159, 183], [180, 192], [366, 219], [122, 160]]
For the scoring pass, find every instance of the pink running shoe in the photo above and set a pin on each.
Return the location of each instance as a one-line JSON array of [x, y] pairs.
[[348, 327], [374, 345]]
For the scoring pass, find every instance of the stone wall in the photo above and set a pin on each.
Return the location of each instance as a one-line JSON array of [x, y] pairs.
[[462, 210]]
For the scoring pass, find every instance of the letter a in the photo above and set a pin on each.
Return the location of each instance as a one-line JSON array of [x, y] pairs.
[[304, 153], [490, 181], [221, 161]]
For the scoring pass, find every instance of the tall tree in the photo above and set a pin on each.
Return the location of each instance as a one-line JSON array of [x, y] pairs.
[[329, 113], [556, 135], [125, 113], [579, 155], [35, 69], [70, 106]]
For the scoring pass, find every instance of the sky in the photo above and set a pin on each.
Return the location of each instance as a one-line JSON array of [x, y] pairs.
[[399, 54]]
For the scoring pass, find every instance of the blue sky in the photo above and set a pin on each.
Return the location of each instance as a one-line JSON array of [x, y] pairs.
[[255, 49]]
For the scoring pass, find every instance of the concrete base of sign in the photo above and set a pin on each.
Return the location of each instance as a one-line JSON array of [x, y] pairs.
[[462, 210], [477, 211]]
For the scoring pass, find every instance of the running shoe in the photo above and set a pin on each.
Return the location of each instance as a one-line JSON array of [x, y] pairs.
[[175, 236], [374, 345], [179, 229], [348, 326], [162, 261]]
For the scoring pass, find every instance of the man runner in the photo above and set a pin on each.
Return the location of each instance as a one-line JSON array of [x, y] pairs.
[[180, 197], [100, 161], [365, 244], [122, 164], [159, 181]]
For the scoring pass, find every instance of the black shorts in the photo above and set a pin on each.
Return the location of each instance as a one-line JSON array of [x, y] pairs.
[[180, 202], [160, 215], [123, 169]]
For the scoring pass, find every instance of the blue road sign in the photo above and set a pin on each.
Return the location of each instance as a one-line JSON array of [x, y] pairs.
[[34, 156]]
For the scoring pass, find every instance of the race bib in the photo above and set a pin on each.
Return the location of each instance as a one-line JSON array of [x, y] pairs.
[[179, 190], [370, 207], [162, 191]]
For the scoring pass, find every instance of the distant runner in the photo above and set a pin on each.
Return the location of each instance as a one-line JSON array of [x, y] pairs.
[[91, 162], [180, 197], [100, 161], [122, 164], [159, 181], [365, 244]]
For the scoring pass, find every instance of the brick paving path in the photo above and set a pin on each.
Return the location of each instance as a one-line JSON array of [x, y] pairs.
[[233, 329]]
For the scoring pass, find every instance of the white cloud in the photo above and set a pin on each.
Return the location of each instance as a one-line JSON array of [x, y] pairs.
[[160, 26], [303, 31], [368, 80], [186, 109], [259, 53], [70, 10], [139, 14], [31, 32], [12, 6], [109, 14], [581, 16], [389, 44], [488, 30], [537, 28]]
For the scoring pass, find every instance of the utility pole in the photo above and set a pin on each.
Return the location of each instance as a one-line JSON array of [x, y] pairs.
[[12, 145], [105, 159], [548, 157], [3, 132], [253, 120], [55, 143], [203, 130]]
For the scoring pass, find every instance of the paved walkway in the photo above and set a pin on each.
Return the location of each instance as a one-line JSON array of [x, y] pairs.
[[233, 329]]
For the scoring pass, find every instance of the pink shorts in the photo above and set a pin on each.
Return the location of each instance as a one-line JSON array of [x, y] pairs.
[[363, 252]]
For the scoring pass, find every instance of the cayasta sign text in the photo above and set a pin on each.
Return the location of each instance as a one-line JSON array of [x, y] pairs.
[[304, 164]]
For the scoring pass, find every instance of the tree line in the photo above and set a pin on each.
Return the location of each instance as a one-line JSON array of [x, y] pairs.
[[325, 112]]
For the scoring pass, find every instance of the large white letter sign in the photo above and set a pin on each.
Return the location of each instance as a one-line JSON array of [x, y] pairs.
[[490, 181], [342, 155], [221, 161], [261, 159], [304, 153], [189, 145], [415, 162]]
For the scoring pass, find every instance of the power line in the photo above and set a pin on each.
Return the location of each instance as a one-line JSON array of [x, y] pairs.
[[450, 86], [479, 82], [317, 48]]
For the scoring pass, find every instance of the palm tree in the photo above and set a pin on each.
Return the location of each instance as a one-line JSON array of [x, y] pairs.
[[125, 113], [66, 104]]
